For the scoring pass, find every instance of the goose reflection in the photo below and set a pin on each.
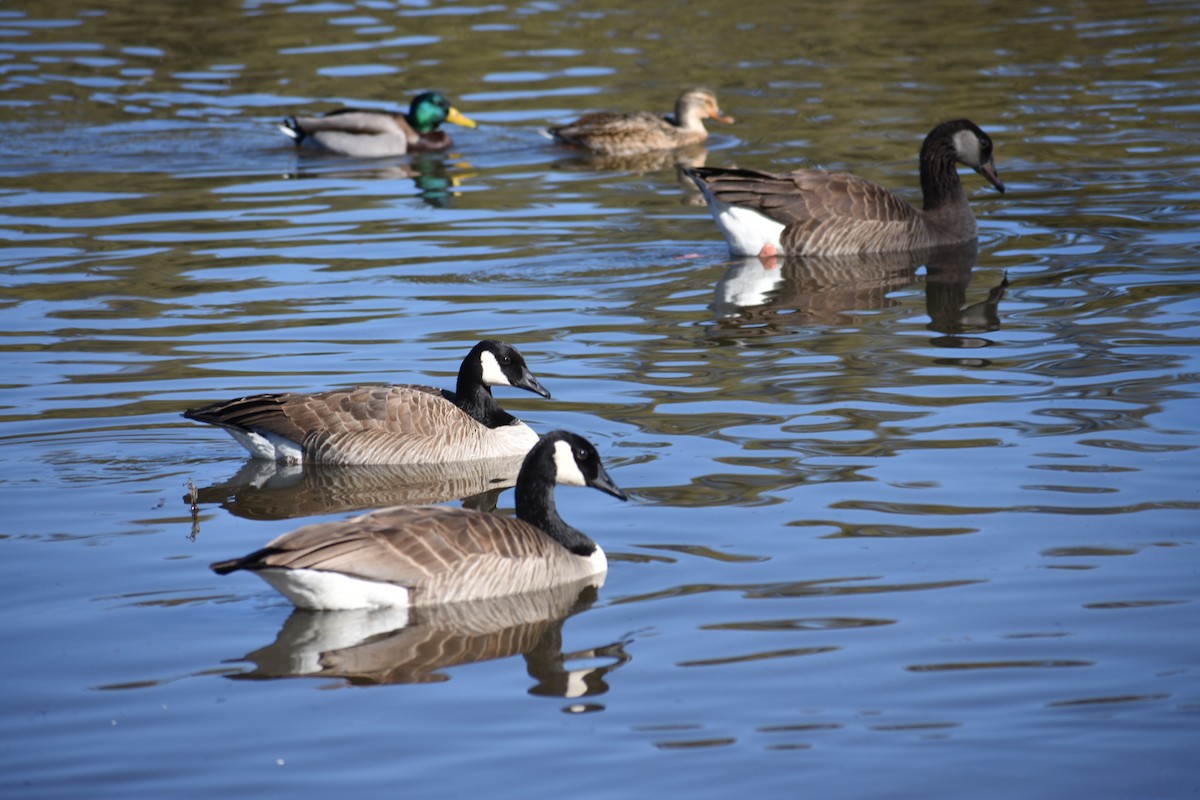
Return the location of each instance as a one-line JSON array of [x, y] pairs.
[[825, 289], [387, 646], [436, 184], [271, 490]]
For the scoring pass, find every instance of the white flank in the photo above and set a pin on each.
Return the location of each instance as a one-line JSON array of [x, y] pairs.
[[747, 231], [567, 471], [332, 591], [269, 446], [493, 375]]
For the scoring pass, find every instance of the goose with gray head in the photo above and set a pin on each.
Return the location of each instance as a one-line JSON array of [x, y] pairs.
[[406, 424], [813, 212], [427, 555]]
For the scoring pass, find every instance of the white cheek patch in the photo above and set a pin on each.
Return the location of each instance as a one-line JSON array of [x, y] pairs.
[[966, 147], [565, 466], [493, 375]]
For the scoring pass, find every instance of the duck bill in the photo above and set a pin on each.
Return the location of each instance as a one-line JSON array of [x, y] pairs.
[[531, 384], [988, 171], [720, 116], [607, 485], [458, 118]]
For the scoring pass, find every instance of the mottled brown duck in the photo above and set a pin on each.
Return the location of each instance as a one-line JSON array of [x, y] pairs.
[[617, 134]]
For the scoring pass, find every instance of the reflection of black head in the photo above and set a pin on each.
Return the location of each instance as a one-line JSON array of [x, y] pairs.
[[948, 273]]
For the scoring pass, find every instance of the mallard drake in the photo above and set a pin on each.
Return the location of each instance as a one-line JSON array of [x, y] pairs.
[[427, 555], [812, 212], [616, 134], [373, 134], [404, 424]]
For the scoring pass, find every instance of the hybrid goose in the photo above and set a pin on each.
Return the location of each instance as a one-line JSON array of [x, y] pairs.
[[427, 555], [813, 212], [615, 134], [374, 134], [405, 424]]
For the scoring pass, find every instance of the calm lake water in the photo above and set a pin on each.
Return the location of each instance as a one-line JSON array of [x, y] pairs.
[[896, 530]]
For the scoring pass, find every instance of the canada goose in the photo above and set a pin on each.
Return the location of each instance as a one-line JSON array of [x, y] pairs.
[[616, 134], [812, 212], [373, 134], [387, 424], [425, 555]]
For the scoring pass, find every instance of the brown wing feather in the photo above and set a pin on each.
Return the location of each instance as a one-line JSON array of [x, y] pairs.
[[414, 546], [611, 133], [806, 195]]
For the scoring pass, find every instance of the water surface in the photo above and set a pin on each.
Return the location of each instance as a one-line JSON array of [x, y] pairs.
[[897, 529]]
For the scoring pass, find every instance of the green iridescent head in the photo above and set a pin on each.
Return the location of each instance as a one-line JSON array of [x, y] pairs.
[[431, 109]]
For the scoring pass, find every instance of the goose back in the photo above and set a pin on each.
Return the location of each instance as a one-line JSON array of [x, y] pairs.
[[388, 424], [364, 425], [415, 555]]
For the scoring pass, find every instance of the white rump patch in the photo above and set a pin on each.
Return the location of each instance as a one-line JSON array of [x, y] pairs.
[[966, 147], [319, 590], [746, 230], [269, 446], [567, 470], [493, 375]]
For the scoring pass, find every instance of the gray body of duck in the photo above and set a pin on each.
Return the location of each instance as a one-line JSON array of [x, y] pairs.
[[369, 133]]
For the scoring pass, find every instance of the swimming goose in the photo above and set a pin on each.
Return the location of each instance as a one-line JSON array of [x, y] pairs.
[[812, 212], [425, 555], [616, 134], [404, 424], [373, 134]]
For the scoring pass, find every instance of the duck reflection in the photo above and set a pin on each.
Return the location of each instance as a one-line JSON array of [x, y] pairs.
[[824, 290], [650, 161], [435, 182], [385, 646], [271, 490]]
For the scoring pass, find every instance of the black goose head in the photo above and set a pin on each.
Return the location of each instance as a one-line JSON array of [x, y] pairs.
[[972, 148], [576, 463], [494, 363]]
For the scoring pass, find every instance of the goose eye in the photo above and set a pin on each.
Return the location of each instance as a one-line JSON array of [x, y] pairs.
[[581, 455]]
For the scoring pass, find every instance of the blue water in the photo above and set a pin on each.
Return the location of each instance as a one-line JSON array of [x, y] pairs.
[[926, 530]]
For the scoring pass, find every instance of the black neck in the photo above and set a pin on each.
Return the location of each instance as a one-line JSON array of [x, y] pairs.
[[940, 183], [474, 397], [535, 504]]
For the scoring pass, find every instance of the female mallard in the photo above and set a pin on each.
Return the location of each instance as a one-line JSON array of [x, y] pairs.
[[403, 424], [615, 134], [812, 212], [373, 134]]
